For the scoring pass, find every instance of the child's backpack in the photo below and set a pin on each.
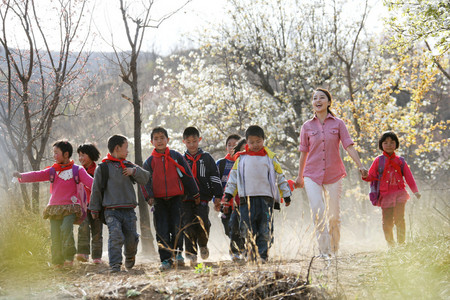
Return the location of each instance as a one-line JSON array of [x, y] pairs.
[[374, 193], [105, 176], [81, 192]]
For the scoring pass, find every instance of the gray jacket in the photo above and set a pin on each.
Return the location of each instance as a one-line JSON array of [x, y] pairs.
[[120, 192]]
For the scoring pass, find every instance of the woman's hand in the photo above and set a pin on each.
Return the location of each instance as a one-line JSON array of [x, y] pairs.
[[17, 174], [299, 182]]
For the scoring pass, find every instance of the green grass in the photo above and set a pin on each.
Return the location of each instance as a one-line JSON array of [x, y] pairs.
[[24, 241], [417, 270]]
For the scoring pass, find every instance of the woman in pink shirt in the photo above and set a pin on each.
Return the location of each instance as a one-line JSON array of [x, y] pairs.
[[392, 195], [321, 169], [64, 204]]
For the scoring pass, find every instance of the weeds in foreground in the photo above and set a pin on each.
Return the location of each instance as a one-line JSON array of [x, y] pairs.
[[24, 241]]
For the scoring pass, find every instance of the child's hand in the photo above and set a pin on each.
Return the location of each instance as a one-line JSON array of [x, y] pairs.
[[287, 200], [151, 201], [197, 201], [418, 195], [128, 171], [17, 174], [299, 182], [216, 204], [225, 209], [364, 172], [95, 215]]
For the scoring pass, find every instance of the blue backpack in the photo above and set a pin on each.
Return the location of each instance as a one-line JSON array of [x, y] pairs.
[[81, 193], [374, 193]]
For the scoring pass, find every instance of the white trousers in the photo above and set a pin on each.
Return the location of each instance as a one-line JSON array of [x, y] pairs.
[[325, 211]]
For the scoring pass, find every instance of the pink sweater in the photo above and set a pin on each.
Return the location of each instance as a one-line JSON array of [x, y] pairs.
[[64, 186]]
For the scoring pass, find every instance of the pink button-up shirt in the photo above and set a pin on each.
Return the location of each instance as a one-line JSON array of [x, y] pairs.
[[324, 164]]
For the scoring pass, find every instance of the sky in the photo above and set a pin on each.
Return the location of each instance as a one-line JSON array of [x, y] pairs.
[[175, 33], [172, 33]]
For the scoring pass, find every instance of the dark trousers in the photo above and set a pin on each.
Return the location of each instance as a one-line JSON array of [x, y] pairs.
[[63, 242], [197, 225], [394, 216], [225, 218], [236, 240], [167, 221], [256, 225], [90, 228], [122, 233]]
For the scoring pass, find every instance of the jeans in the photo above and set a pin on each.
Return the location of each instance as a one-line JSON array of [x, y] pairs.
[[88, 228], [256, 225], [122, 232], [63, 243], [167, 221], [394, 215], [325, 210], [236, 240], [197, 225]]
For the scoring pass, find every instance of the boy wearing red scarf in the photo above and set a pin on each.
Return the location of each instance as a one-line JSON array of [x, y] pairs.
[[118, 200], [196, 213], [258, 179], [393, 195], [170, 180]]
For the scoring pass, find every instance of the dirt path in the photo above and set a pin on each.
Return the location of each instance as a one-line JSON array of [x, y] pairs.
[[342, 276]]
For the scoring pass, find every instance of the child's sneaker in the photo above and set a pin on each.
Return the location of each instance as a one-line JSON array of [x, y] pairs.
[[68, 264], [179, 260], [129, 262], [97, 261], [165, 265], [82, 257], [192, 258], [114, 269], [235, 257], [204, 252]]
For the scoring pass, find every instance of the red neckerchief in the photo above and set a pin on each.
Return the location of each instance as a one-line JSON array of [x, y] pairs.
[[194, 162], [168, 158], [229, 157], [62, 167], [391, 162], [112, 158], [247, 151], [91, 169]]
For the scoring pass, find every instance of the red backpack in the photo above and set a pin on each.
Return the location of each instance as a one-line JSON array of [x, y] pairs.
[[81, 192]]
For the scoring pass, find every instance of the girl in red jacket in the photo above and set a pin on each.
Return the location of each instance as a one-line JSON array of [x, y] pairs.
[[390, 169]]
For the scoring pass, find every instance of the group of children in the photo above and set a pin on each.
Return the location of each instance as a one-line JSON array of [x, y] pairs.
[[245, 186]]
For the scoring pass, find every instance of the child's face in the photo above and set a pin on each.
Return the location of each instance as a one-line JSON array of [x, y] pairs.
[[255, 143], [320, 102], [389, 145], [84, 159], [230, 145], [59, 157], [191, 143], [121, 152], [160, 141]]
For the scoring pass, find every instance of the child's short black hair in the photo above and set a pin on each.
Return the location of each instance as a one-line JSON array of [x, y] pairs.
[[239, 145], [159, 130], [116, 140], [254, 130], [236, 137], [90, 150], [391, 135], [65, 146], [190, 131]]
